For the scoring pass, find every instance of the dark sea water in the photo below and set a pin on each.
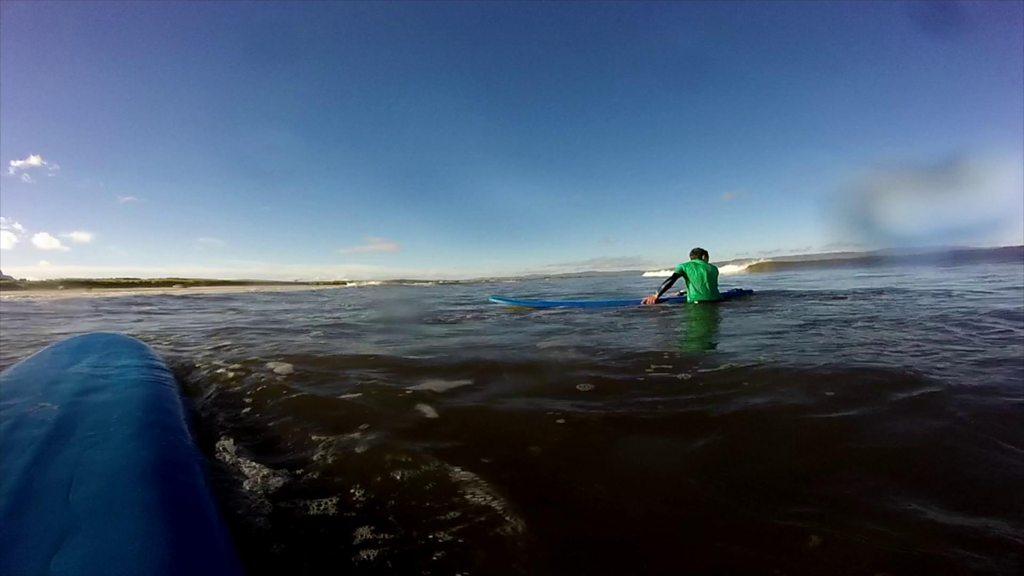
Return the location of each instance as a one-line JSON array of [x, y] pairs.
[[866, 419]]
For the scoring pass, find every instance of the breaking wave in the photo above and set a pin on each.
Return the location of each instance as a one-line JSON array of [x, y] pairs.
[[724, 269]]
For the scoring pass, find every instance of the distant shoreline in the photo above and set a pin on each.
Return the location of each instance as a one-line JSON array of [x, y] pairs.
[[85, 287], [179, 289], [133, 283]]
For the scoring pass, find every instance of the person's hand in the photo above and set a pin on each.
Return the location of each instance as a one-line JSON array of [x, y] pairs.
[[652, 299]]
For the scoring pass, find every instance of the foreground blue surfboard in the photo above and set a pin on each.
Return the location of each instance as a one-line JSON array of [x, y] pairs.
[[98, 472], [538, 304]]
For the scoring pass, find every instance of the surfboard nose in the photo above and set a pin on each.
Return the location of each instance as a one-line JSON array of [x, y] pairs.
[[99, 472]]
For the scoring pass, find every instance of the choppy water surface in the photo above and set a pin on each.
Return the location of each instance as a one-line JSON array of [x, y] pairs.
[[850, 421]]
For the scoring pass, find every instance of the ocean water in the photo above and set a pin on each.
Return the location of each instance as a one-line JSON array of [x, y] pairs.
[[861, 419]]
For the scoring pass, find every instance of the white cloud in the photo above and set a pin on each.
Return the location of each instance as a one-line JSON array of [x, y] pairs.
[[374, 245], [209, 242], [79, 236], [127, 199], [8, 224], [10, 233], [8, 239], [43, 263], [33, 162], [45, 241]]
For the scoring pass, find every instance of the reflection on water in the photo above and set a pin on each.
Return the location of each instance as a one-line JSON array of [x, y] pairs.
[[700, 328]]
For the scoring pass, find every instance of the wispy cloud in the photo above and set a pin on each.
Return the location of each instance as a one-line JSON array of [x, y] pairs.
[[729, 196], [210, 242], [8, 224], [374, 245], [34, 162], [127, 199], [46, 241], [79, 236]]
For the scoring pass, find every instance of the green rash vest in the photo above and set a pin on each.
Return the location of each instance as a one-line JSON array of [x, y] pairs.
[[701, 281]]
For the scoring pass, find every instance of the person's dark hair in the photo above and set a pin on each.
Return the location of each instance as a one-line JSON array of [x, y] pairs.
[[699, 254]]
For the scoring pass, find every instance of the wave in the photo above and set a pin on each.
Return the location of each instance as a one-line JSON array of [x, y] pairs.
[[1006, 254], [724, 269], [730, 269], [920, 257]]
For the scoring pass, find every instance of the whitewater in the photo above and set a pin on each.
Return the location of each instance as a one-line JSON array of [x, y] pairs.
[[724, 269]]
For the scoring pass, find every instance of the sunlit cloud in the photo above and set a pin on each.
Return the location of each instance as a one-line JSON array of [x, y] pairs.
[[374, 245], [34, 162], [8, 240], [46, 241], [127, 199], [79, 237], [10, 233]]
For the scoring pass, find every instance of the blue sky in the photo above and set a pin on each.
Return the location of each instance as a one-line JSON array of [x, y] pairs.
[[355, 140]]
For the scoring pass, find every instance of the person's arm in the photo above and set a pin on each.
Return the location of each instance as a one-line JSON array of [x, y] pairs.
[[664, 287]]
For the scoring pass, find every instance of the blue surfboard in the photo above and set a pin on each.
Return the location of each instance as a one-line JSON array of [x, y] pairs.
[[541, 304], [98, 473]]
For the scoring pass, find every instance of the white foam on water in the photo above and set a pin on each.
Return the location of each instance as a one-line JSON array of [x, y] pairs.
[[476, 491], [367, 555], [260, 481], [439, 385], [368, 534], [427, 411], [724, 270], [281, 368], [322, 506]]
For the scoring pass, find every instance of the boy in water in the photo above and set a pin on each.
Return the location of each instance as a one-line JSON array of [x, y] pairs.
[[700, 276]]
